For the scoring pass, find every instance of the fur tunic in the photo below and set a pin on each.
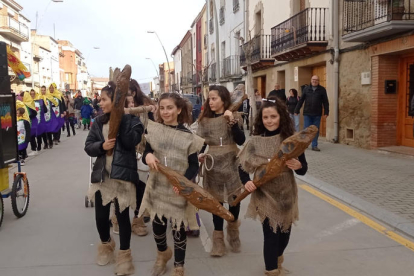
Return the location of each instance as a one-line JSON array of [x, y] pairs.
[[278, 199]]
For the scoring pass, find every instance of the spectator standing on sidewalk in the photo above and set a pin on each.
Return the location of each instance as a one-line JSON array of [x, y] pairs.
[[292, 102], [314, 97], [78, 105], [278, 93], [70, 114]]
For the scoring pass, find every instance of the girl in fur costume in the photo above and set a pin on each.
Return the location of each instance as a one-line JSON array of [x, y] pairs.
[[222, 131], [173, 145], [275, 204], [113, 179]]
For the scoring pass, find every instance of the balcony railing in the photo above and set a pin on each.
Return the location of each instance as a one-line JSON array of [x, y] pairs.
[[16, 27], [307, 26], [230, 67], [261, 49], [212, 73], [222, 16], [211, 27], [236, 5], [359, 15]]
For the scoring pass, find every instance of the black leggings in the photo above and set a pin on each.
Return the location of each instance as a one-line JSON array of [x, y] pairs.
[[219, 222], [140, 188], [274, 245], [180, 239], [36, 143], [47, 138], [56, 135], [72, 125], [102, 222]]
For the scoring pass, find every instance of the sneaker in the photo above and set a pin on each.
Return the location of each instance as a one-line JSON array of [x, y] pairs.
[[22, 162], [45, 147], [315, 149], [56, 143], [33, 153]]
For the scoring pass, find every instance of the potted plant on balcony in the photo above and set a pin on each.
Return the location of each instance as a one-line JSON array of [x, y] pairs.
[[397, 9]]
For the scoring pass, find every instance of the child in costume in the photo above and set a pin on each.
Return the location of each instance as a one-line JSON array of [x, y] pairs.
[[86, 113], [275, 203], [171, 144], [23, 131], [113, 179], [222, 131]]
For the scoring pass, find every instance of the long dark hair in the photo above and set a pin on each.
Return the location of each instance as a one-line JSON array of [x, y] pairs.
[[295, 92], [223, 93], [285, 123], [140, 98], [184, 116], [110, 92]]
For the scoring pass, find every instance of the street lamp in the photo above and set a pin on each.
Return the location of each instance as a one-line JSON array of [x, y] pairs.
[[155, 67], [166, 56]]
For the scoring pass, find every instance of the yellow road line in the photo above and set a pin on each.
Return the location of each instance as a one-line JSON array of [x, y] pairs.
[[364, 219]]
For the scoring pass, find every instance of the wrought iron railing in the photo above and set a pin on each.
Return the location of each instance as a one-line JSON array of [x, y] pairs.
[[222, 16], [8, 22], [307, 26], [230, 67], [261, 49], [212, 73], [211, 27], [236, 5], [359, 15]]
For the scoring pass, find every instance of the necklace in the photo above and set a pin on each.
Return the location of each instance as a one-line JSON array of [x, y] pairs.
[[172, 142]]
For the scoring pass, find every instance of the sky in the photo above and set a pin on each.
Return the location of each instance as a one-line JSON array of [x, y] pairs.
[[118, 27]]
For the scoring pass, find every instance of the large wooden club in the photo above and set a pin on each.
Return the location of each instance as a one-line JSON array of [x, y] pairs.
[[290, 148], [196, 195], [122, 84]]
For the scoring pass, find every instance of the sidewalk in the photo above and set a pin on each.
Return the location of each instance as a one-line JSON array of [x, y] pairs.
[[378, 183]]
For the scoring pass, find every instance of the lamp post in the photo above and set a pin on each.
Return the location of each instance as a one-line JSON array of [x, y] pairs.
[[166, 56], [155, 67]]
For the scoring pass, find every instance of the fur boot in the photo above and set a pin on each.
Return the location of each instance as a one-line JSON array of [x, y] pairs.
[[105, 252], [115, 225], [138, 227], [219, 248], [280, 261], [160, 265], [233, 236], [178, 271], [275, 272], [124, 265]]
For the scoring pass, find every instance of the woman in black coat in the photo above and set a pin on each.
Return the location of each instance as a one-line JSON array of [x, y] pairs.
[[113, 180]]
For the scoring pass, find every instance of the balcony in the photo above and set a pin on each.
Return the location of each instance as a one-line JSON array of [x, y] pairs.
[[14, 29], [236, 6], [222, 16], [211, 25], [212, 73], [301, 35], [373, 19], [230, 67], [261, 55]]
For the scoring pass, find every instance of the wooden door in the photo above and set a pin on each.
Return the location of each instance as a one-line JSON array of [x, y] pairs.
[[406, 93], [320, 71]]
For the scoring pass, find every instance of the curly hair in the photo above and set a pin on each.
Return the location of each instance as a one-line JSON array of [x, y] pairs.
[[285, 123], [224, 95], [180, 103]]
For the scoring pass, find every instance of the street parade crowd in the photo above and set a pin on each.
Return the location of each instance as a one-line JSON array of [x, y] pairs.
[[126, 173], [161, 139], [43, 117]]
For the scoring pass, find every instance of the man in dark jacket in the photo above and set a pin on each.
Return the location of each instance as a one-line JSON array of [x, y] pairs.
[[279, 93], [314, 97], [77, 106]]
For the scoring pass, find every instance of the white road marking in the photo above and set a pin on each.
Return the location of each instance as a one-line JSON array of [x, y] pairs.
[[338, 228]]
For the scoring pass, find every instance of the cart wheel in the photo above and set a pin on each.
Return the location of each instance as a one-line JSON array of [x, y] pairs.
[[20, 196], [1, 209], [92, 205], [86, 202]]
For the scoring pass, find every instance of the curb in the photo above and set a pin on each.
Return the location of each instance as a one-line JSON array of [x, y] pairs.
[[401, 224]]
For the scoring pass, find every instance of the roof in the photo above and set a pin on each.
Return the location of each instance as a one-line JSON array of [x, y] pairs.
[[175, 50], [185, 38]]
